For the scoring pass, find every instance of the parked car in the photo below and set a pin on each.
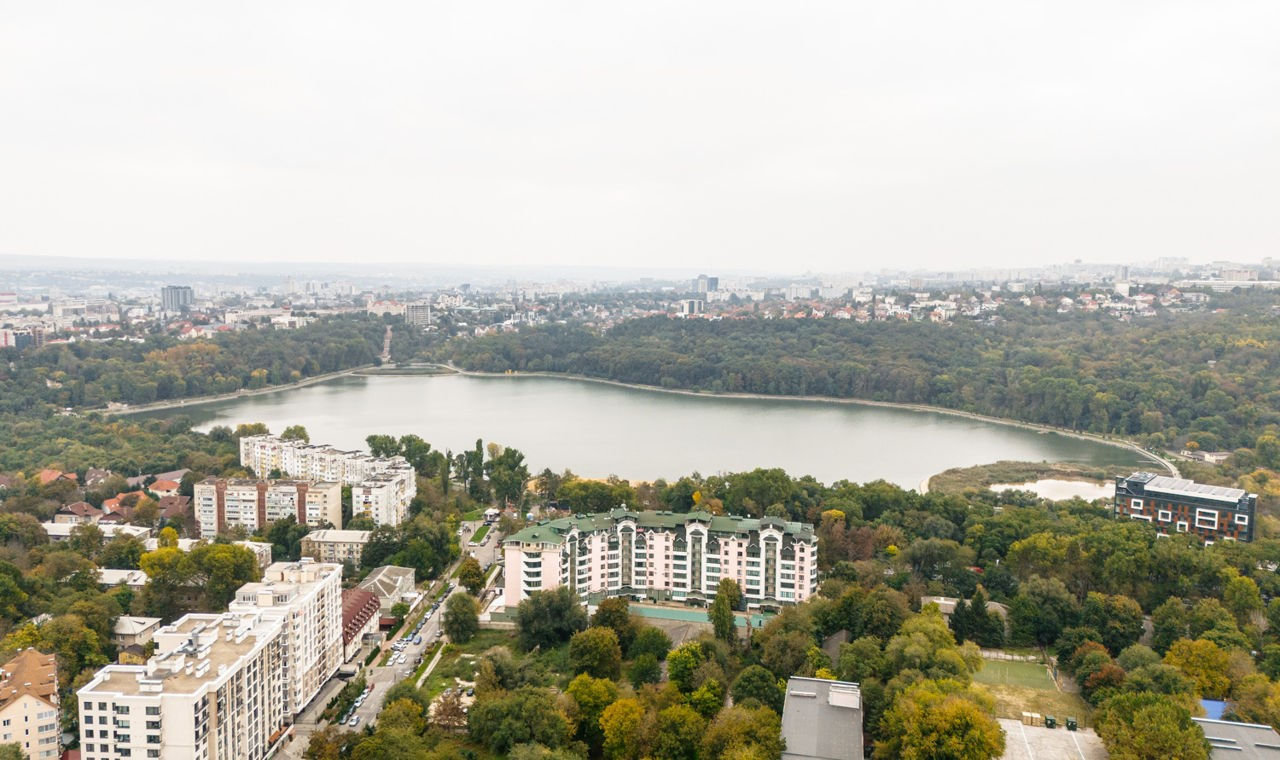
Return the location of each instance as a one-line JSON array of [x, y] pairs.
[[355, 721]]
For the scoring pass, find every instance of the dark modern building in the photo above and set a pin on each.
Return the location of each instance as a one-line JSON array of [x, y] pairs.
[[1176, 505], [176, 297]]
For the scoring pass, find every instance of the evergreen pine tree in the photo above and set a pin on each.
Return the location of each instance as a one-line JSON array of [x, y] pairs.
[[962, 622]]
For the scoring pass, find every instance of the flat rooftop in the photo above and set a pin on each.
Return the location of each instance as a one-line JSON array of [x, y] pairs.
[[336, 535], [1190, 488], [213, 645], [1245, 741]]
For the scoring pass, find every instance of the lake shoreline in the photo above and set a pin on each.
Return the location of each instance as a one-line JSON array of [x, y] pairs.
[[1118, 443], [179, 403], [442, 370]]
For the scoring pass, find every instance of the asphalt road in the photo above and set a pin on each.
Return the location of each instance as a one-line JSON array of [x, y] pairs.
[[383, 678]]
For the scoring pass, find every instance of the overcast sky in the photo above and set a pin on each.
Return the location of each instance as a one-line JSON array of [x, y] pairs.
[[712, 134]]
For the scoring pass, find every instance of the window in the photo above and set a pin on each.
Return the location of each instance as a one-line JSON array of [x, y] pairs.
[[1242, 519], [1182, 526], [1138, 516], [1206, 518], [1164, 515], [1135, 505]]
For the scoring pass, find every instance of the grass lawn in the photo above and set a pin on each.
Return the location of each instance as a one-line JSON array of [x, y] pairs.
[[475, 514], [1020, 687], [452, 664], [1032, 675], [480, 533]]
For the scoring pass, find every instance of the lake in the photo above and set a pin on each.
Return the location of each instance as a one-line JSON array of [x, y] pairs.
[[598, 430], [1057, 489]]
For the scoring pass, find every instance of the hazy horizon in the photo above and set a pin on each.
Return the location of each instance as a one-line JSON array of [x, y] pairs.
[[745, 136]]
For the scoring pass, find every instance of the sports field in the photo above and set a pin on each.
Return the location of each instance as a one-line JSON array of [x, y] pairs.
[[1020, 687], [1031, 675]]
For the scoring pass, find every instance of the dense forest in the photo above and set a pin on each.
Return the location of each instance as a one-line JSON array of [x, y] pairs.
[[162, 367], [38, 386], [1213, 378]]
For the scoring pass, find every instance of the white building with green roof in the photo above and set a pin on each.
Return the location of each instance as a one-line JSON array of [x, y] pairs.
[[664, 556]]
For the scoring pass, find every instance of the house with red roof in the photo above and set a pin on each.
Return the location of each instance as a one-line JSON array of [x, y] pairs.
[[162, 488], [79, 513], [48, 476]]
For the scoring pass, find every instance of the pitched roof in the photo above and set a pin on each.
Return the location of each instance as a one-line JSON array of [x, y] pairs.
[[359, 606], [127, 625], [165, 485], [29, 672], [48, 476], [174, 506], [385, 581], [81, 509], [95, 475]]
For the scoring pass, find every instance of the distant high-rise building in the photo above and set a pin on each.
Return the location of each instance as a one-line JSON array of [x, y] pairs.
[[176, 297], [705, 284], [693, 306], [417, 314]]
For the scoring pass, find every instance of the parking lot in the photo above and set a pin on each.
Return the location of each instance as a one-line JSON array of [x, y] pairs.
[[1023, 742]]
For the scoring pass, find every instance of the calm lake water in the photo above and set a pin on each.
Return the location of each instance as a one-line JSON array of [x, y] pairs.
[[598, 430], [1056, 489]]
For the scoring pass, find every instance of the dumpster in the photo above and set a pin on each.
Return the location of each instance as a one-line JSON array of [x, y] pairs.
[[1050, 721], [1071, 724]]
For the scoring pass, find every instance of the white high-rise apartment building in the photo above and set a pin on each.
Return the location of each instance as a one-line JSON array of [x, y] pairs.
[[221, 503], [213, 690], [384, 497], [664, 556], [307, 598], [386, 484], [222, 686]]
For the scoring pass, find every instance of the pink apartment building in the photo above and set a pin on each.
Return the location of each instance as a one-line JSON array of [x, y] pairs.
[[664, 556]]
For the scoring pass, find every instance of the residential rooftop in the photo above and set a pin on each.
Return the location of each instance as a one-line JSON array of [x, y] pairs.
[[554, 531], [1181, 487], [29, 672], [1240, 741], [334, 535], [209, 646]]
